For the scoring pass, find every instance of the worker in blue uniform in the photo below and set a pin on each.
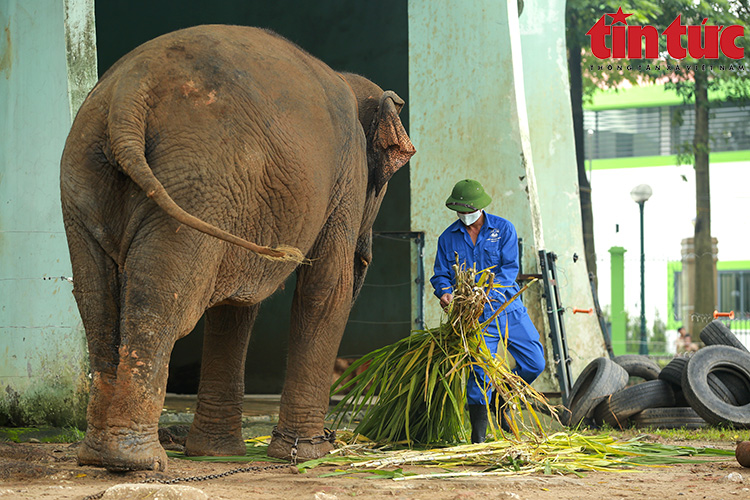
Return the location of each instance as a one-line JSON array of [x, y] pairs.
[[487, 240]]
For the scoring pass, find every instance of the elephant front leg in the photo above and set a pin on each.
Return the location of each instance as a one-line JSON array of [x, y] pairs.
[[322, 302], [217, 426]]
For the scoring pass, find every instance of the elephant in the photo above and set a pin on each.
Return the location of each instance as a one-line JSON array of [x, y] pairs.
[[203, 169]]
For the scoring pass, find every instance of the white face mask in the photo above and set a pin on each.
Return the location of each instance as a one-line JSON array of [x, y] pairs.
[[470, 218]]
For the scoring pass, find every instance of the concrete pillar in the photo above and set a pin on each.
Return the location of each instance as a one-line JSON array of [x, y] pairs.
[[482, 106], [47, 66], [687, 285], [617, 315], [468, 120], [545, 77]]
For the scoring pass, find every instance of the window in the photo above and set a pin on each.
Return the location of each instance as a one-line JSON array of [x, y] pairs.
[[734, 291], [630, 132]]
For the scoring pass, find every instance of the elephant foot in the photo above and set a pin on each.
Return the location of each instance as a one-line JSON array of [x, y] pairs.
[[151, 457], [286, 446], [90, 449], [200, 444], [217, 432], [126, 451], [122, 450]]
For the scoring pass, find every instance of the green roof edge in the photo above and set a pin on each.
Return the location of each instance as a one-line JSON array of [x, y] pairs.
[[645, 96]]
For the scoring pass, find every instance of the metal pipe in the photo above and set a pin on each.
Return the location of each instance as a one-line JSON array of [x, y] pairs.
[[643, 349]]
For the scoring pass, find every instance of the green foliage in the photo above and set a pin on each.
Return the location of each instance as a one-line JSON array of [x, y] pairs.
[[633, 333], [704, 434], [420, 381], [42, 434], [57, 402], [560, 453], [580, 17]]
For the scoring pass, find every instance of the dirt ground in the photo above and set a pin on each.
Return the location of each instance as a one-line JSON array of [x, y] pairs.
[[40, 470]]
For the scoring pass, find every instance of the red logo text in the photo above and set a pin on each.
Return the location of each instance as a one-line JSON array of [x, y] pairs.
[[632, 42]]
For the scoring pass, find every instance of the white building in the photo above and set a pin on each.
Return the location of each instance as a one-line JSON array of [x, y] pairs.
[[632, 138]]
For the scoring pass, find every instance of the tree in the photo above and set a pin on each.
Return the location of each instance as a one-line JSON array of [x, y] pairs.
[[633, 333], [658, 338], [692, 78], [688, 77], [580, 17]]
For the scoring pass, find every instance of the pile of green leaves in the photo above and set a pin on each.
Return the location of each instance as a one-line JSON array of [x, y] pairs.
[[414, 391], [561, 453]]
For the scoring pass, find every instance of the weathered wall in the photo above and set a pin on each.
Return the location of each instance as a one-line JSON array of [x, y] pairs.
[[47, 65], [468, 120], [547, 89]]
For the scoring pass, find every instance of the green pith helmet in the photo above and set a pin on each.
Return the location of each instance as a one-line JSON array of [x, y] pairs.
[[467, 196]]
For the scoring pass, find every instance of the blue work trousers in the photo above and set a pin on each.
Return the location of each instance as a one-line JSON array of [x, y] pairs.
[[523, 345]]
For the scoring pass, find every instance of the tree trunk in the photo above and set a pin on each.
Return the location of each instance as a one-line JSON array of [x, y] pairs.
[[705, 285], [576, 101]]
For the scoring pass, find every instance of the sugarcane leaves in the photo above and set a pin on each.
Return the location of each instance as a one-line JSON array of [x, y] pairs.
[[414, 390], [560, 453], [377, 473]]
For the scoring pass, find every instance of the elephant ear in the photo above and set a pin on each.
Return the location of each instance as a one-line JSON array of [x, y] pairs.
[[390, 143]]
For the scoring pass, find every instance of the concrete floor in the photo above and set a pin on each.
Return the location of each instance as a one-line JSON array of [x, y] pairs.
[[260, 412], [254, 405]]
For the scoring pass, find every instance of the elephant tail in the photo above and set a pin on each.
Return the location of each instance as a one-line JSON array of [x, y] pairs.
[[127, 118]]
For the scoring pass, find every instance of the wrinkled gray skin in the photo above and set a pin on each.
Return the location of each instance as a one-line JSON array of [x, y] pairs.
[[199, 171]]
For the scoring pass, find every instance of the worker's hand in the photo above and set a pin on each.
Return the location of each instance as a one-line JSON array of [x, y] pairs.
[[446, 299]]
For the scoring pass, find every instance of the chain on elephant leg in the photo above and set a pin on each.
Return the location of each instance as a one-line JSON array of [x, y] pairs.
[[301, 449]]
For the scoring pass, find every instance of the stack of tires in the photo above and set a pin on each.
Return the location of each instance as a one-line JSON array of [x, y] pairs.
[[711, 387]]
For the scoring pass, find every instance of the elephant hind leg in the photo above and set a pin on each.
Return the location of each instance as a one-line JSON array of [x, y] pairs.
[[96, 290], [322, 301], [217, 426]]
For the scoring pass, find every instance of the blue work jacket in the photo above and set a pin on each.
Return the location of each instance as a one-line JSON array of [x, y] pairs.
[[497, 245]]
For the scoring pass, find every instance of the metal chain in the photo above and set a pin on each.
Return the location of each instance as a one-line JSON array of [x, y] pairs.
[[328, 436], [251, 468]]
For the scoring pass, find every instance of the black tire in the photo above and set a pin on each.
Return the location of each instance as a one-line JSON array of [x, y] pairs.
[[617, 408], [736, 385], [669, 418], [717, 333], [639, 366], [599, 379], [698, 391], [672, 373], [721, 390], [679, 398]]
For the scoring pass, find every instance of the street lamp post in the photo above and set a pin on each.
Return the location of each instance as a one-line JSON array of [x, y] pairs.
[[640, 195]]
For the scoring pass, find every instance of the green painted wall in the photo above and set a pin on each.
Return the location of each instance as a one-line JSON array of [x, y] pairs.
[[545, 71], [664, 161], [618, 313], [468, 120], [46, 67], [645, 96]]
